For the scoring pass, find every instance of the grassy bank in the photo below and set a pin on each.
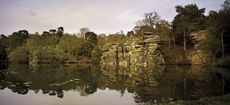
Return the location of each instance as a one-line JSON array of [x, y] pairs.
[[220, 100]]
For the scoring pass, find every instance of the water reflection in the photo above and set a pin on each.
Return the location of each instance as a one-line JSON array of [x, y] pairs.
[[147, 84], [49, 79]]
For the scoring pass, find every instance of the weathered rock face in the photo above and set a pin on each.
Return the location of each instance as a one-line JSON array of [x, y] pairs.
[[135, 51], [198, 38], [198, 56]]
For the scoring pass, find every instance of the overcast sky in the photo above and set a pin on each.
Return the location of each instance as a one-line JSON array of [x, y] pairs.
[[101, 16]]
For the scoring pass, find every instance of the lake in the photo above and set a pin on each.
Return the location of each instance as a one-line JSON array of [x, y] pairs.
[[77, 84]]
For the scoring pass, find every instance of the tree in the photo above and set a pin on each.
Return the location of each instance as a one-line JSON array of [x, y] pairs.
[[91, 36], [219, 27], [17, 39], [23, 33], [86, 49], [130, 33], [140, 30], [148, 24], [3, 36], [52, 31], [150, 19], [226, 6], [45, 33], [163, 29], [71, 44], [224, 27], [60, 31], [188, 19], [3, 52], [83, 31]]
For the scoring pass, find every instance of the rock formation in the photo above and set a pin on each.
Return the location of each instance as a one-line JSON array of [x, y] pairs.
[[138, 50], [198, 56]]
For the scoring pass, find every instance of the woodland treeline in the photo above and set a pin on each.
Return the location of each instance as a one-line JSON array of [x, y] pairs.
[[56, 46]]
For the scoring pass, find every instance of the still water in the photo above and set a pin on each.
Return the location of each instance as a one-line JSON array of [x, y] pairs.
[[48, 84]]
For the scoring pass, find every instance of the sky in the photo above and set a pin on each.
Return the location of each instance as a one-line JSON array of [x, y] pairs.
[[100, 16]]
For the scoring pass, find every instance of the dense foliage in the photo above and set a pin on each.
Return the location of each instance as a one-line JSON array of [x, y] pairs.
[[188, 19], [52, 46], [175, 37]]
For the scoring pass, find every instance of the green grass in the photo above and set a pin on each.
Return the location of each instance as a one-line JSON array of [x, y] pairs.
[[220, 100]]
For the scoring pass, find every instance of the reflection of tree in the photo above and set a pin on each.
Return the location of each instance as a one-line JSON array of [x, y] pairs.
[[52, 80], [90, 89], [151, 84], [148, 84]]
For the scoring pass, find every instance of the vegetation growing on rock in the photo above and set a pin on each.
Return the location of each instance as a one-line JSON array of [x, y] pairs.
[[191, 38]]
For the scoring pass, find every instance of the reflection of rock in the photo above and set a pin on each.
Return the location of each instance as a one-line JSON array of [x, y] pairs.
[[163, 83], [136, 79], [148, 84], [135, 51]]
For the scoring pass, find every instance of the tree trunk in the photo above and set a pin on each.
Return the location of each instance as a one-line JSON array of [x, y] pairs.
[[174, 43], [169, 41], [184, 41], [222, 44]]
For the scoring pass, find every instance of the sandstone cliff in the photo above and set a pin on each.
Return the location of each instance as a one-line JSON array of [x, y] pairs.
[[141, 50], [198, 55]]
